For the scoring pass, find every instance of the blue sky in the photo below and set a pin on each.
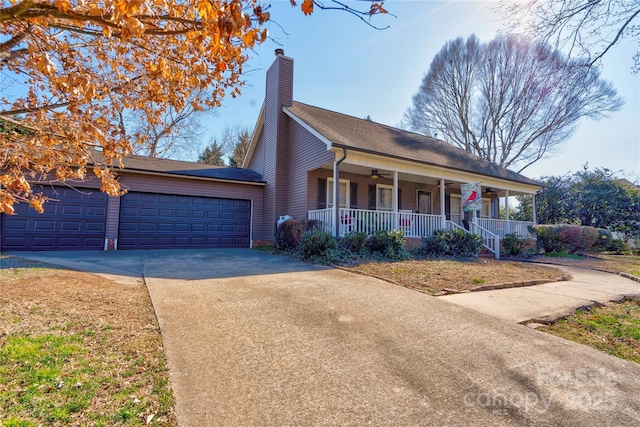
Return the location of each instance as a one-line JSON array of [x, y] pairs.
[[344, 65]]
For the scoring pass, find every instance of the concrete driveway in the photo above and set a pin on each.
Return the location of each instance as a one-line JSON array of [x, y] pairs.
[[256, 339]]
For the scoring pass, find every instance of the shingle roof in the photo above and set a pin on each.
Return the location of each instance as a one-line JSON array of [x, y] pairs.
[[177, 167], [366, 136]]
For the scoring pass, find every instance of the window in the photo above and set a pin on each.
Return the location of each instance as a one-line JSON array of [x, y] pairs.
[[425, 205], [384, 199], [344, 186], [486, 208]]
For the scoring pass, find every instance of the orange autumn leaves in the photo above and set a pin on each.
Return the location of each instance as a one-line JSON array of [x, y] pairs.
[[77, 67]]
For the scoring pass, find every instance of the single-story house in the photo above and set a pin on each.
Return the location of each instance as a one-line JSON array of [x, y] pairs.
[[301, 159]]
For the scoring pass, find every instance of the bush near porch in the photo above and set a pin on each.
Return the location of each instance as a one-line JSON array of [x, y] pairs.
[[572, 239], [384, 256]]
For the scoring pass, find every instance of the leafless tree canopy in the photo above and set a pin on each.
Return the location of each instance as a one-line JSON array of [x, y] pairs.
[[510, 101], [586, 27], [176, 136]]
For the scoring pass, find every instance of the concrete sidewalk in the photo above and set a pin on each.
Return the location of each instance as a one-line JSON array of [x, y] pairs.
[[550, 301]]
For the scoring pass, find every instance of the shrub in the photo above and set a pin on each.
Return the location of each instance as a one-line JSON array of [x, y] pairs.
[[514, 244], [389, 243], [618, 246], [566, 238], [436, 244], [604, 239], [289, 233], [317, 246], [354, 241], [456, 243], [548, 240]]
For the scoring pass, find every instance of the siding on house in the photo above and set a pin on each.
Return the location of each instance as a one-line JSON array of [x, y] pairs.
[[279, 93], [257, 161], [113, 217], [306, 153]]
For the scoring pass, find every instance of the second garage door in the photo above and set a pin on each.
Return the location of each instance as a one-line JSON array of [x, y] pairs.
[[74, 219], [151, 220]]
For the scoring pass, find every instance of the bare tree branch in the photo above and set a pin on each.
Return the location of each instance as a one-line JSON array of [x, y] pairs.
[[510, 101], [593, 27]]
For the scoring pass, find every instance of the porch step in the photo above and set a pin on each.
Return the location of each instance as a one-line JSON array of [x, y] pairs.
[[485, 253]]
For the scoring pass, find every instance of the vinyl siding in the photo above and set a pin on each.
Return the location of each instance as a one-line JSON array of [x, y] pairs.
[[285, 98], [257, 161], [113, 217], [279, 93], [306, 153]]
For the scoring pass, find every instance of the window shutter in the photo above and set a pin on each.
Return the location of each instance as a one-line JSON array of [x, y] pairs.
[[322, 193], [447, 206], [353, 203], [399, 198], [372, 197]]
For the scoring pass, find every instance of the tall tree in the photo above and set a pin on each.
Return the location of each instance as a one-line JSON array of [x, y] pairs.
[[240, 148], [176, 136], [212, 154], [79, 65], [591, 197], [511, 101], [554, 203], [589, 28]]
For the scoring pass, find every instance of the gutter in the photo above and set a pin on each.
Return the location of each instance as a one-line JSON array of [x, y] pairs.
[[200, 178], [336, 193]]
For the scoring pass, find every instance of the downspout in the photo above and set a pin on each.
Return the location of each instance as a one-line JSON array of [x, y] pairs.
[[336, 193]]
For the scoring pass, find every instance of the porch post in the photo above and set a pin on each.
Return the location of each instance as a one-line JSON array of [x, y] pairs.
[[395, 200], [535, 208], [506, 209], [443, 214], [336, 199], [395, 191]]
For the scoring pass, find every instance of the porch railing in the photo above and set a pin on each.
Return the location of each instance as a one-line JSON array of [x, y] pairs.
[[413, 224], [490, 240], [359, 220], [503, 227]]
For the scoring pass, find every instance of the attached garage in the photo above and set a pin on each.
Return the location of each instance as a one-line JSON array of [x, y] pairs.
[[152, 220], [168, 204], [75, 219]]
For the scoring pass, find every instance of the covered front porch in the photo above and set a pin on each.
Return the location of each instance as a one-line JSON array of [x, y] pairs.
[[415, 198], [412, 224]]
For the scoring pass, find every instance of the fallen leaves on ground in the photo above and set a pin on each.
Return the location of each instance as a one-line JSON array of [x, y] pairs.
[[116, 354], [433, 276]]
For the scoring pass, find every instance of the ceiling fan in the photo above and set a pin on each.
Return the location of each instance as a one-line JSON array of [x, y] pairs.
[[375, 174]]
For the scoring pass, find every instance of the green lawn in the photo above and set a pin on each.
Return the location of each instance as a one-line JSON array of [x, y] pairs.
[[614, 329]]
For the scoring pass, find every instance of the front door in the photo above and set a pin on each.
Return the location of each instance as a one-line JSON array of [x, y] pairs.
[[456, 209], [424, 202]]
